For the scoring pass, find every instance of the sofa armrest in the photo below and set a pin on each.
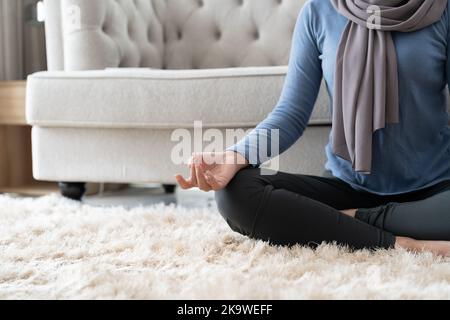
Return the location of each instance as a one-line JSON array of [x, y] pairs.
[[86, 44], [53, 35], [92, 35]]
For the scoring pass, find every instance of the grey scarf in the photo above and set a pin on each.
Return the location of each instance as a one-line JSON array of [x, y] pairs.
[[366, 77]]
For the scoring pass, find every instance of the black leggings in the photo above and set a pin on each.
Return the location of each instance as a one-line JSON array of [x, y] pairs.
[[288, 209]]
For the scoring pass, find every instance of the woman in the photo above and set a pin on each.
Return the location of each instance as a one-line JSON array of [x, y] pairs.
[[386, 65]]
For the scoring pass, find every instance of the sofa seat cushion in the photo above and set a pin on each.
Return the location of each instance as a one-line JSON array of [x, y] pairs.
[[151, 98]]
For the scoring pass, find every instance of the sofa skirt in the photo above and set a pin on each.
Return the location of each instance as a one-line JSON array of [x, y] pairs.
[[142, 155]]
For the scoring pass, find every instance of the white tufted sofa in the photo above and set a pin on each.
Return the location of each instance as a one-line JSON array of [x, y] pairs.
[[129, 72]]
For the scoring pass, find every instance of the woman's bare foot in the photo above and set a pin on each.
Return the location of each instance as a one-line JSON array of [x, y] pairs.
[[439, 248]]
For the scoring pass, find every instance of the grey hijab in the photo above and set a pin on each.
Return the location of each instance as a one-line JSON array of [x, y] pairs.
[[366, 78]]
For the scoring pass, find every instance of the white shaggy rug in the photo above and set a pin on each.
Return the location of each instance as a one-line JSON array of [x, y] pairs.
[[53, 248]]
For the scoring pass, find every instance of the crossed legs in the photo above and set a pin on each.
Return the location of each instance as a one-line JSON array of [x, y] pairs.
[[287, 209]]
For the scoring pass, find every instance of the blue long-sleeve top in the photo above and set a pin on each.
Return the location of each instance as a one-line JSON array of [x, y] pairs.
[[407, 156]]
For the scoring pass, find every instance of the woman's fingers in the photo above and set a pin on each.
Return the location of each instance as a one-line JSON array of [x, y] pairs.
[[193, 177], [192, 181], [211, 180], [205, 181], [184, 184], [197, 164], [201, 179]]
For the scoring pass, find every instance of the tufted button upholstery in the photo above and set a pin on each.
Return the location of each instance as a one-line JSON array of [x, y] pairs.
[[180, 34], [137, 31]]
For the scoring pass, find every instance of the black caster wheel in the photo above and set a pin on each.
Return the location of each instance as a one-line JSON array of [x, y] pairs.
[[72, 190], [169, 188]]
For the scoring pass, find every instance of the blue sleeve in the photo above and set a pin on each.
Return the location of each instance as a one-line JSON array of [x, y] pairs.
[[298, 97]]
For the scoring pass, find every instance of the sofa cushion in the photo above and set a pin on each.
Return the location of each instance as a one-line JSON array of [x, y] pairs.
[[150, 98]]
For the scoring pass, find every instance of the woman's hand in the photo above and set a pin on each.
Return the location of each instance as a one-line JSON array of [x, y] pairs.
[[212, 171]]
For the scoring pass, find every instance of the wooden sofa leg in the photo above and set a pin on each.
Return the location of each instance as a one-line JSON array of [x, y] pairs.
[[169, 188], [72, 190]]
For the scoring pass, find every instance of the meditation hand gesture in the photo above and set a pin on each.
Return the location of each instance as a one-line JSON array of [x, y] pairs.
[[212, 171]]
